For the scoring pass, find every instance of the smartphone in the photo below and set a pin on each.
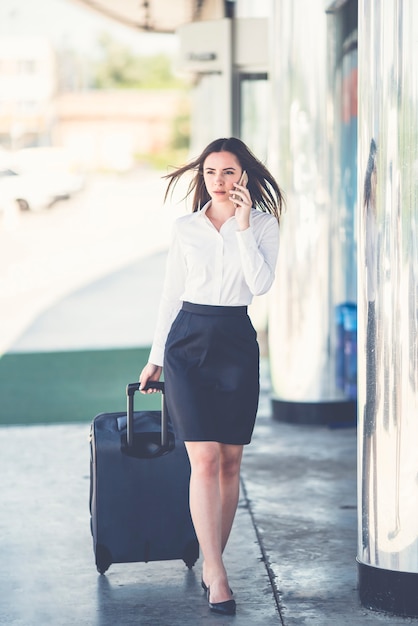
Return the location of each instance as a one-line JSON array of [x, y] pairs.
[[243, 180]]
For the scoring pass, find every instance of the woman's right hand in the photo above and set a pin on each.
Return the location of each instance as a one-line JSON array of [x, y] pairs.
[[149, 373]]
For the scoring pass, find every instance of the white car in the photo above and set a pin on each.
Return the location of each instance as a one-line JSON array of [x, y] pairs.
[[53, 170], [25, 190]]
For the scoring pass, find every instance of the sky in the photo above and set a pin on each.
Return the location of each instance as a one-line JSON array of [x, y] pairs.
[[66, 22]]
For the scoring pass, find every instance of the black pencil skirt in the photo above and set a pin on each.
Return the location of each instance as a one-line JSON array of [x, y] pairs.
[[211, 373]]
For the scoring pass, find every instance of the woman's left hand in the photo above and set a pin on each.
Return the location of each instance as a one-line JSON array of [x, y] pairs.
[[241, 198], [150, 373]]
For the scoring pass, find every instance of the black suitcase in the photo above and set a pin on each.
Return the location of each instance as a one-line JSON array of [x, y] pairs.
[[139, 488]]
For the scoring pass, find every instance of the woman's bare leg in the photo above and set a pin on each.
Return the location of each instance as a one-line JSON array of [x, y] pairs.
[[229, 480], [214, 491]]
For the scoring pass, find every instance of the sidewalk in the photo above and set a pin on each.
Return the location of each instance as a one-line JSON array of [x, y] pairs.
[[47, 570], [293, 542]]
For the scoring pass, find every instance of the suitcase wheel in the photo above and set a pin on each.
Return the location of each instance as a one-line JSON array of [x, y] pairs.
[[191, 553], [103, 559]]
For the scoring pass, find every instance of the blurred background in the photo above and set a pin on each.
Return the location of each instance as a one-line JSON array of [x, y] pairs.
[[97, 102], [91, 115]]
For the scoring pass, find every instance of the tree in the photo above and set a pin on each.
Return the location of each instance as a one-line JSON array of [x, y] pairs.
[[120, 68]]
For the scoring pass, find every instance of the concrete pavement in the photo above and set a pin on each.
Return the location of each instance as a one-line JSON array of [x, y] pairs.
[[47, 570], [291, 558]]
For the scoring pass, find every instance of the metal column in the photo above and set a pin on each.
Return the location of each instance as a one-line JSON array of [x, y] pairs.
[[315, 262], [388, 306]]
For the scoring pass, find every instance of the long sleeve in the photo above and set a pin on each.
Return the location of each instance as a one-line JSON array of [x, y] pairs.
[[170, 302], [259, 256]]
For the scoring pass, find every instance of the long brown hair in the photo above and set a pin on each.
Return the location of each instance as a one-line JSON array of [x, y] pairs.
[[264, 190]]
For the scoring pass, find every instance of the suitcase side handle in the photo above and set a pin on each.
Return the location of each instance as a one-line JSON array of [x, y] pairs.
[[130, 392]]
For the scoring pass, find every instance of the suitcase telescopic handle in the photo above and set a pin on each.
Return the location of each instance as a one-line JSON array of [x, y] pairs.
[[130, 392]]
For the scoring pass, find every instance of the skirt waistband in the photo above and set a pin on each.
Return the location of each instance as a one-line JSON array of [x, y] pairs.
[[208, 309]]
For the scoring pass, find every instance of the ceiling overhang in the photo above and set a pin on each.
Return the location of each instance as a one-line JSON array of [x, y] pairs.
[[160, 16]]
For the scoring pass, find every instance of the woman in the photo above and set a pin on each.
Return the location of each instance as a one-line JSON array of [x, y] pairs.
[[221, 255]]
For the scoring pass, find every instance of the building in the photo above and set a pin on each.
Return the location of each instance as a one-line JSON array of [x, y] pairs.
[[99, 129], [28, 87], [115, 130]]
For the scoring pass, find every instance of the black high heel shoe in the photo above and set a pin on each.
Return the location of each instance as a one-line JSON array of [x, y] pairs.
[[228, 607]]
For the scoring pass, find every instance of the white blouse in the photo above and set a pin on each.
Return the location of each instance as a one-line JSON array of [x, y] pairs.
[[206, 266]]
